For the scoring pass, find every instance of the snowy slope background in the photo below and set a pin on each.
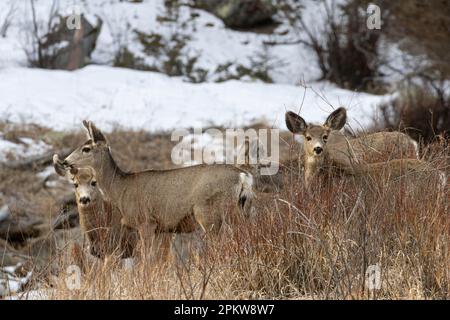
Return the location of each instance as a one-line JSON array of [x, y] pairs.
[[130, 99], [153, 101]]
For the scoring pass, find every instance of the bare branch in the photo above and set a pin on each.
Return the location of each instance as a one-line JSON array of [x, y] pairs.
[[8, 19]]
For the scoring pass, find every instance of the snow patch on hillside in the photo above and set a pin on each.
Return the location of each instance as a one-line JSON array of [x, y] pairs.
[[24, 149], [152, 101], [210, 41]]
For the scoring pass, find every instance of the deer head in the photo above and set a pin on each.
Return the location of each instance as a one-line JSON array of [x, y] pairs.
[[315, 137], [84, 180], [92, 152], [86, 189]]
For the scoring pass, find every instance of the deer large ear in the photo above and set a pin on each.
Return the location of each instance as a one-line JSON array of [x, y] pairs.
[[337, 119], [295, 123], [59, 167], [252, 151], [88, 132], [95, 134]]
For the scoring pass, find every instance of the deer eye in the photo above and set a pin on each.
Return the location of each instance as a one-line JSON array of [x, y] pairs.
[[308, 138], [75, 185], [325, 137], [86, 150], [93, 183]]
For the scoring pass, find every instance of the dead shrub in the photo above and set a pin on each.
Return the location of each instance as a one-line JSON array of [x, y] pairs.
[[345, 49], [303, 244], [419, 111]]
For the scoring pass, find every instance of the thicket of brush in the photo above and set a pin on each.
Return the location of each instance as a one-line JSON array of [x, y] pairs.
[[316, 243], [422, 112]]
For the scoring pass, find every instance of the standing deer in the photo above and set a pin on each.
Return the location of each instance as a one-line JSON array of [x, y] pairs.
[[325, 148], [100, 220], [165, 200]]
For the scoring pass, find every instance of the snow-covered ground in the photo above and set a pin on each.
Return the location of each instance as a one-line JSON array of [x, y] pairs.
[[153, 101], [11, 283], [210, 41], [43, 294], [25, 148]]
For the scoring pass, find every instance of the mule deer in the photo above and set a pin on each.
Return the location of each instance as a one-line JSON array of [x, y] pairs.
[[377, 146], [100, 220], [165, 200], [320, 153]]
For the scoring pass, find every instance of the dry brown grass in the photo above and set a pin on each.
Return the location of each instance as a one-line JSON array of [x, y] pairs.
[[304, 244]]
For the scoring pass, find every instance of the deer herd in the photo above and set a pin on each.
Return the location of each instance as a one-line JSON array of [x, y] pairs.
[[119, 210]]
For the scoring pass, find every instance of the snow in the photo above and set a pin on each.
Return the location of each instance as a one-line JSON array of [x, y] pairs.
[[25, 149], [12, 284], [152, 101], [32, 295], [208, 36], [4, 213], [47, 172]]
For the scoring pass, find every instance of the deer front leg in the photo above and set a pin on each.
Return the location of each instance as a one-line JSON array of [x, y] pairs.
[[146, 233], [208, 218]]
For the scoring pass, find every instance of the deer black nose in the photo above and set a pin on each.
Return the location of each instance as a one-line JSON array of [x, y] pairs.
[[318, 150], [85, 200]]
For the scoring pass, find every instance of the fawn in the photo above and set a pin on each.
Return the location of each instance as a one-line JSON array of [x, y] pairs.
[[100, 220]]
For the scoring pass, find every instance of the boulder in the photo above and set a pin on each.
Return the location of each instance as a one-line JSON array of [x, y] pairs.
[[19, 228], [239, 14], [67, 217], [69, 47], [10, 256], [47, 250]]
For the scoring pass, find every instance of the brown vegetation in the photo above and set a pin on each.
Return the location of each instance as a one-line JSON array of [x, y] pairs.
[[423, 114], [315, 243]]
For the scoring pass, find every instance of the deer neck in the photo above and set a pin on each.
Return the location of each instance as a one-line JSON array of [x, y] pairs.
[[312, 166], [99, 220], [109, 175]]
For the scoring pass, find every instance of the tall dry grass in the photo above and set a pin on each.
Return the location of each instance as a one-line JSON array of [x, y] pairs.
[[303, 244]]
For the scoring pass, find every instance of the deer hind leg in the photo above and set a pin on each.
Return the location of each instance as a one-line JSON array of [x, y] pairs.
[[247, 208], [245, 195], [146, 232]]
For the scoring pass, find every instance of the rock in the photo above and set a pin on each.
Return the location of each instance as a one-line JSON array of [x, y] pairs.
[[34, 162], [11, 284], [4, 213], [9, 256], [15, 228], [67, 220], [239, 14], [46, 250], [69, 49], [68, 215]]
